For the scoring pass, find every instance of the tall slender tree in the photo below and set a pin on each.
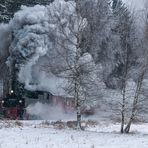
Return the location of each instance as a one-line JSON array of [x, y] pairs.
[[125, 30]]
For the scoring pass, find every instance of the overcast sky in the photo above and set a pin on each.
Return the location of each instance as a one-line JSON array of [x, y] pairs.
[[137, 4]]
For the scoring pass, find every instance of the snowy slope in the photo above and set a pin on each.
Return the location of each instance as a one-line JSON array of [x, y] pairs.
[[31, 135]]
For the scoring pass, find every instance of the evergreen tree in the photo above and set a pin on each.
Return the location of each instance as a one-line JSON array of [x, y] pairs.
[[125, 34], [114, 4], [9, 7]]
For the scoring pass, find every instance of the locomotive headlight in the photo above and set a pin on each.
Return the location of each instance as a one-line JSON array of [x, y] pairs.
[[3, 101], [20, 101], [12, 91]]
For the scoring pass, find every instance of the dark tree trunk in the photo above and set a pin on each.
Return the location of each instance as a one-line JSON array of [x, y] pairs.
[[79, 127], [128, 126]]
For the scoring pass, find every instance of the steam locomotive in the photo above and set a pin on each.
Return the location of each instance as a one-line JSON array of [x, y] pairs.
[[13, 107]]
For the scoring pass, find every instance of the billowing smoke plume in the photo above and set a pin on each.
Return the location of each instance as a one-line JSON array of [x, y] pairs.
[[34, 34], [30, 39], [43, 40]]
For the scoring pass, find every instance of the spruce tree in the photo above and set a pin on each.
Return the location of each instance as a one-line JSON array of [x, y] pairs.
[[124, 31], [9, 7]]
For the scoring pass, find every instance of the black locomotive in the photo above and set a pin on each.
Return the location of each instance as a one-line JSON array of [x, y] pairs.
[[13, 107]]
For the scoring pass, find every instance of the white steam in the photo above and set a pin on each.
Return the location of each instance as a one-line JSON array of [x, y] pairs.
[[48, 112], [30, 30], [35, 32]]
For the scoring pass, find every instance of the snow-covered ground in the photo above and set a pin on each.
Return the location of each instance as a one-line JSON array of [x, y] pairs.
[[38, 134]]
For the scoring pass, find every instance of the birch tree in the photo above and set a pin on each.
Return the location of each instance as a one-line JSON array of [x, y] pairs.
[[141, 73], [125, 30], [77, 66]]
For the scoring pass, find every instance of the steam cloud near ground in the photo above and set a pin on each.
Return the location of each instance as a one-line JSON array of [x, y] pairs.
[[48, 112]]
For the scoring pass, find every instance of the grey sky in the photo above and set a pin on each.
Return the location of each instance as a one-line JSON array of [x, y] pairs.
[[137, 4]]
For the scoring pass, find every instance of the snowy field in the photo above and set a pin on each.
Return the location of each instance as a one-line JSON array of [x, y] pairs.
[[39, 134]]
